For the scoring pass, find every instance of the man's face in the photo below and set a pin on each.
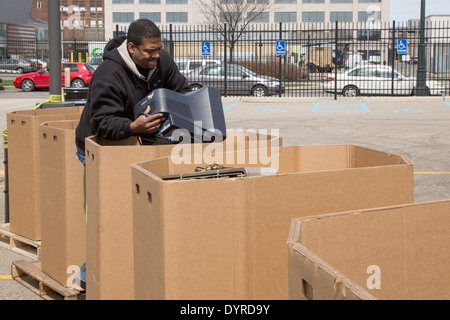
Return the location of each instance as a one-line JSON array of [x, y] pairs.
[[147, 53]]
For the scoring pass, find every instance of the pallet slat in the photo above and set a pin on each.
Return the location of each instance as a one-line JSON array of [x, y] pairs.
[[16, 243], [30, 275]]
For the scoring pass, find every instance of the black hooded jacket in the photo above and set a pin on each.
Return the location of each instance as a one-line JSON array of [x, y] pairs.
[[116, 87]]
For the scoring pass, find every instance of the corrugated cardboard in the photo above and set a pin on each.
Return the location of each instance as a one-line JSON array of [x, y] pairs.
[[63, 219], [23, 166], [389, 253], [226, 238], [109, 256]]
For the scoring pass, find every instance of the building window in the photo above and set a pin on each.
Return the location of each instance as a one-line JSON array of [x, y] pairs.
[[364, 1], [341, 1], [313, 1], [123, 1], [150, 1], [364, 16], [341, 16], [39, 4], [176, 17], [123, 16], [285, 1], [285, 17], [313, 16], [259, 17], [176, 1], [153, 16]]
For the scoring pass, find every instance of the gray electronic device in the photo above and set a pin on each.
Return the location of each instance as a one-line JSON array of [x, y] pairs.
[[192, 117]]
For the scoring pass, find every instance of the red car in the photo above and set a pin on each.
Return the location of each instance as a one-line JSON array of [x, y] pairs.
[[80, 76]]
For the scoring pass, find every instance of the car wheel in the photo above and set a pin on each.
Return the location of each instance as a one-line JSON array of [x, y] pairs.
[[20, 70], [259, 91], [350, 91], [77, 83], [195, 87], [27, 85]]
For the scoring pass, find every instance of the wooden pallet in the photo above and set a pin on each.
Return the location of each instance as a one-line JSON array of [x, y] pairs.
[[31, 276], [14, 242]]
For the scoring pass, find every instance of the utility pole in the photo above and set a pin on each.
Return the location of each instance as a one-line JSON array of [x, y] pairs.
[[54, 63], [421, 87]]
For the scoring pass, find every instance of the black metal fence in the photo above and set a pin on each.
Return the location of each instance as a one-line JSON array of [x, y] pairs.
[[317, 62]]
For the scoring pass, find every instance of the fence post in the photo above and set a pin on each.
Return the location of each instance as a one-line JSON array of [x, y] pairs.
[[393, 57], [170, 40], [279, 70], [225, 58], [335, 60]]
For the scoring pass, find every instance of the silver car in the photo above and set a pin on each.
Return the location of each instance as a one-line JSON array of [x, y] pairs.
[[95, 62], [19, 65], [377, 80], [240, 81]]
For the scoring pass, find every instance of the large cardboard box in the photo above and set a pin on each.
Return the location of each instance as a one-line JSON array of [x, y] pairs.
[[23, 166], [63, 222], [390, 253], [109, 255], [226, 238]]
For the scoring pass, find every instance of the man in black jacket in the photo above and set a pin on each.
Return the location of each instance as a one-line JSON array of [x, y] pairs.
[[132, 67]]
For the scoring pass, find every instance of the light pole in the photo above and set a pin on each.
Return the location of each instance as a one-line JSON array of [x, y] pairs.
[[421, 87]]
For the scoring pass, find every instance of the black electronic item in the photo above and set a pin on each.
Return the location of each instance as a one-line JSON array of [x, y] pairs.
[[192, 117], [219, 171]]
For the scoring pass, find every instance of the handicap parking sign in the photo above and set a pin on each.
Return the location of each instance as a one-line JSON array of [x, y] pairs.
[[281, 47], [206, 48], [402, 46]]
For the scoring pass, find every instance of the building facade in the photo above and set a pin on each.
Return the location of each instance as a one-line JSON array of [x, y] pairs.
[[119, 13], [80, 19]]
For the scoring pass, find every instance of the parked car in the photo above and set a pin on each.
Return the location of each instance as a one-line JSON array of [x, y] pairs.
[[187, 65], [95, 62], [19, 65], [42, 63], [376, 80], [240, 81], [80, 76]]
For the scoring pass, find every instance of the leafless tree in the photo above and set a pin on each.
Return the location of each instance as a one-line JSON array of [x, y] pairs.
[[236, 14]]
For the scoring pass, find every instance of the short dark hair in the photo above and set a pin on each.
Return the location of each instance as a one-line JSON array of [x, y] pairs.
[[142, 28]]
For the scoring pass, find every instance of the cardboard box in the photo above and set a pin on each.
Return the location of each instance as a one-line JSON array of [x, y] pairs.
[[23, 166], [390, 253], [63, 221], [226, 238], [109, 256]]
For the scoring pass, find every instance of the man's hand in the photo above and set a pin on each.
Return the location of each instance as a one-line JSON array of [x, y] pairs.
[[149, 124]]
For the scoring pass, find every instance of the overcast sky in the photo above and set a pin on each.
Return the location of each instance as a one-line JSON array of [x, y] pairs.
[[403, 10]]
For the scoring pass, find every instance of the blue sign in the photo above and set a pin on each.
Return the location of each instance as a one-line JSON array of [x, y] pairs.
[[206, 48], [281, 47], [402, 46]]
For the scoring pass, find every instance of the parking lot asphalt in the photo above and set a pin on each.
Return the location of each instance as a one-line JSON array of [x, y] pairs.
[[416, 127]]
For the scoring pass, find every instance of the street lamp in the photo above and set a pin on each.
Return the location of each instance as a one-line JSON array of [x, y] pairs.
[[421, 87]]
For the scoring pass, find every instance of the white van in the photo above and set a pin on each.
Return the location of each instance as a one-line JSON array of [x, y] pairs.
[[186, 65], [353, 60]]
